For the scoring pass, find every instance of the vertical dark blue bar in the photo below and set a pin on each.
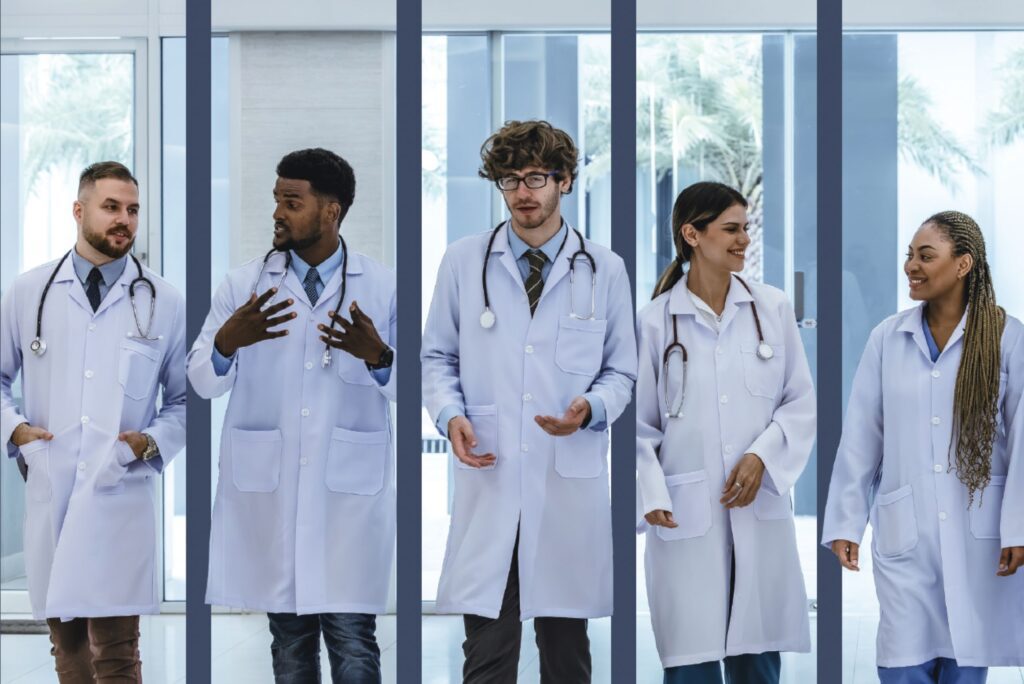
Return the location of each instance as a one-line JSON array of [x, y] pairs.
[[830, 319], [623, 461], [409, 83], [197, 296]]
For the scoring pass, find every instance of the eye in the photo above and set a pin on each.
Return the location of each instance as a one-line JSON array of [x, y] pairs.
[[293, 206], [133, 211]]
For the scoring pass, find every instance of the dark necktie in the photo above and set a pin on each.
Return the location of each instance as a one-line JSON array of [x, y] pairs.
[[93, 289], [535, 280], [312, 278]]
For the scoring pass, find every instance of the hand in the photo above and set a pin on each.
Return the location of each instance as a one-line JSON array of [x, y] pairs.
[[359, 337], [1010, 558], [251, 323], [25, 433], [661, 518], [578, 411], [460, 434], [747, 473], [848, 553], [136, 440]]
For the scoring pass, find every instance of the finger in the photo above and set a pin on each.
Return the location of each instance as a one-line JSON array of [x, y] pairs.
[[545, 424], [730, 481], [465, 429], [272, 335], [271, 322], [854, 553], [333, 332], [357, 313], [263, 298], [275, 308], [340, 320], [343, 343], [1016, 559], [669, 520], [1004, 561], [483, 459]]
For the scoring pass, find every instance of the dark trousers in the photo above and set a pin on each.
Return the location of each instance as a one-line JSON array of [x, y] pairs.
[[351, 647], [492, 646], [748, 668], [104, 649], [936, 671]]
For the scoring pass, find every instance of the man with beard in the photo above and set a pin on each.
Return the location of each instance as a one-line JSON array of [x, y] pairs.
[[530, 533], [304, 519], [95, 336]]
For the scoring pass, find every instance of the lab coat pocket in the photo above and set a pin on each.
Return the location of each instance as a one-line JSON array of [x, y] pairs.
[[691, 506], [987, 508], [484, 420], [137, 369], [581, 454], [768, 506], [580, 346], [256, 459], [37, 457], [111, 476], [355, 461], [763, 377], [896, 531], [351, 369]]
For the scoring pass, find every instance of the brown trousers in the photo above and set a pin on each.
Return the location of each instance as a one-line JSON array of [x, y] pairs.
[[102, 649]]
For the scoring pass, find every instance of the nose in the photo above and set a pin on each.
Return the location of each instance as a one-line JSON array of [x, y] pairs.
[[522, 191], [278, 214]]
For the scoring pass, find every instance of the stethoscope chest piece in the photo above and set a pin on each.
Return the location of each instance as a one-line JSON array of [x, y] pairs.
[[325, 358], [37, 346], [765, 351], [487, 319]]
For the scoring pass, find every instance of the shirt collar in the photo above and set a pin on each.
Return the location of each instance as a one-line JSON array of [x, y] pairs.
[[325, 269], [550, 248], [110, 271]]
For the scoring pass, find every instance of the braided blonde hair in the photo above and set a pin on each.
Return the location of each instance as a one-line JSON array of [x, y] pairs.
[[976, 393]]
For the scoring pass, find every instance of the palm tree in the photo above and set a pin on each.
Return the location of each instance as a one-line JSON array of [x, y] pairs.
[[1005, 124]]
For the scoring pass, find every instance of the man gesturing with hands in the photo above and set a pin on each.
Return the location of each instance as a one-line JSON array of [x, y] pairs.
[[304, 519]]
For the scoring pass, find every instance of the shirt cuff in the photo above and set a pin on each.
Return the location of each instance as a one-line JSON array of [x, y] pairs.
[[221, 363], [381, 375], [447, 413], [598, 414]]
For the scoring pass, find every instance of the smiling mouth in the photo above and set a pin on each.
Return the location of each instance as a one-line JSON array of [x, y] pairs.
[[742, 254], [916, 282]]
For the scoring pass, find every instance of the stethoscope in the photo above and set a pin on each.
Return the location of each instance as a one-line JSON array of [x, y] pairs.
[[325, 358], [675, 409], [38, 345], [488, 319]]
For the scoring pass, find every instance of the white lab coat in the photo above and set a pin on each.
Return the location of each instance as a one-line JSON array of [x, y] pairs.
[[554, 490], [735, 403], [304, 517], [934, 560], [90, 514]]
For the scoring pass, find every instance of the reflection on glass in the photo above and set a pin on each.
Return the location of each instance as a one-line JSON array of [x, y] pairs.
[[59, 113]]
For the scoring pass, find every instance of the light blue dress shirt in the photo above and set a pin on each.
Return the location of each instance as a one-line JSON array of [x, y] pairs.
[[933, 348], [110, 271], [519, 249], [325, 270]]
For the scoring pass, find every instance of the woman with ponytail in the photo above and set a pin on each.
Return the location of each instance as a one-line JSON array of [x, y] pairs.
[[931, 455], [725, 424]]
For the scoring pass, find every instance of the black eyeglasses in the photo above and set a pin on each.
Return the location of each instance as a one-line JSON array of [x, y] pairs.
[[533, 181]]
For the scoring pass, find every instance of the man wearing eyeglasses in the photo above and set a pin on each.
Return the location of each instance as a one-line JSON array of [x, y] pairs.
[[528, 356]]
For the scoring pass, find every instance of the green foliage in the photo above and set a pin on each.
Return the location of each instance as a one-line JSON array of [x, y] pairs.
[[1005, 124]]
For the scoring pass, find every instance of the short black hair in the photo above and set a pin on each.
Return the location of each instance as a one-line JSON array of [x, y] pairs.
[[105, 169], [328, 174]]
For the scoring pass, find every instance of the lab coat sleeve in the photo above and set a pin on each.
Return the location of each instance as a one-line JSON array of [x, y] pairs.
[[168, 428], [387, 378], [440, 354], [652, 490], [201, 372], [860, 451], [785, 445], [614, 384], [1011, 529], [10, 364]]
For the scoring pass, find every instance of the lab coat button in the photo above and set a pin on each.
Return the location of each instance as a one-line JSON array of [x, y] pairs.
[[305, 412], [88, 374], [724, 399], [936, 420], [81, 466], [937, 468], [529, 349], [525, 447], [85, 419], [92, 326], [936, 373], [309, 365], [728, 448], [527, 397], [942, 515], [719, 351], [303, 461]]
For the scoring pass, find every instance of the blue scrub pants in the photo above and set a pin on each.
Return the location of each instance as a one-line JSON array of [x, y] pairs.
[[351, 647], [748, 668], [937, 671]]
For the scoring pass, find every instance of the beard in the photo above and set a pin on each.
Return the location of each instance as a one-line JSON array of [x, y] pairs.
[[541, 214], [288, 242], [98, 241]]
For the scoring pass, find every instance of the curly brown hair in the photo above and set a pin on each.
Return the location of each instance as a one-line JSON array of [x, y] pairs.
[[520, 144]]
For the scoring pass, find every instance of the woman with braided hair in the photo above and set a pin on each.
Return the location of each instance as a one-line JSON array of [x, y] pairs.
[[932, 454]]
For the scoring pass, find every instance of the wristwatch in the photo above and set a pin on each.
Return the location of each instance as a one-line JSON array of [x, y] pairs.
[[151, 451], [387, 357]]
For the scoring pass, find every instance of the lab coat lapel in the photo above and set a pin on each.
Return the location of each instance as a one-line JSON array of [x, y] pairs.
[[119, 289], [506, 258], [912, 324], [329, 297], [738, 298], [559, 270], [75, 288], [679, 303]]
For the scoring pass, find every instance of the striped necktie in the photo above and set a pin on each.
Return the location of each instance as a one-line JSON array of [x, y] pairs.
[[535, 280], [309, 285]]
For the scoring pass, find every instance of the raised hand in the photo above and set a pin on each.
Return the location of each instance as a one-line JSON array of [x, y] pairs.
[[251, 323]]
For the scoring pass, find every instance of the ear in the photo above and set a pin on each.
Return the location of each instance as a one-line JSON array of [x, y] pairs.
[[964, 266], [332, 212], [565, 185], [77, 209], [690, 234]]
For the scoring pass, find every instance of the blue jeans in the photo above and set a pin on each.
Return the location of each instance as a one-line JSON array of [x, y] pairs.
[[937, 671], [351, 647], [748, 668]]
